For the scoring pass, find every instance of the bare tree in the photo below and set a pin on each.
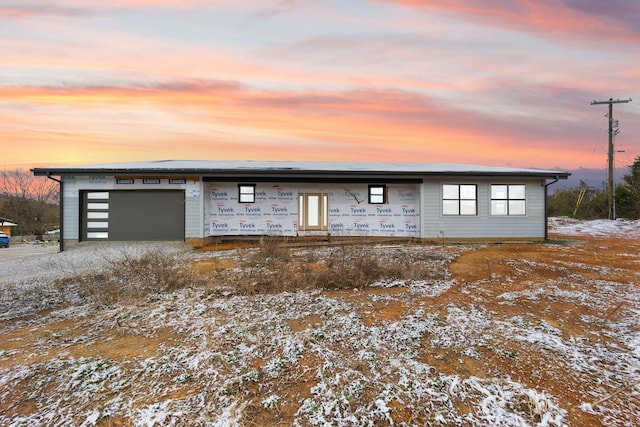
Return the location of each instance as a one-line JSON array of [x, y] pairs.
[[29, 201]]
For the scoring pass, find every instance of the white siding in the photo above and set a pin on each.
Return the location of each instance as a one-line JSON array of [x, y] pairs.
[[71, 212], [73, 185], [194, 206], [483, 225]]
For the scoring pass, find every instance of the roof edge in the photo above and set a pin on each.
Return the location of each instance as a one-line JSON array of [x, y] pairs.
[[250, 168]]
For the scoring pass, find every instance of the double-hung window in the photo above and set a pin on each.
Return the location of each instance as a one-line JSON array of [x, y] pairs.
[[246, 193], [459, 199], [508, 199], [377, 194]]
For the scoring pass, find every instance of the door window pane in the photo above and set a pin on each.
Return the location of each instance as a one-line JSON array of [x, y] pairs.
[[313, 214], [325, 210]]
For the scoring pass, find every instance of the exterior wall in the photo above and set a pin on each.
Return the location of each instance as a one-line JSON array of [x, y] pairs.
[[6, 229], [350, 213], [275, 211], [74, 184], [194, 206], [484, 225], [413, 210]]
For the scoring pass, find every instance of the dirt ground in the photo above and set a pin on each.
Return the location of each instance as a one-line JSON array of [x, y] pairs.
[[483, 275], [490, 265], [538, 370]]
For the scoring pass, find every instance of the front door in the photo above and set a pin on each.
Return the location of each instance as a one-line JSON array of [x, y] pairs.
[[313, 211]]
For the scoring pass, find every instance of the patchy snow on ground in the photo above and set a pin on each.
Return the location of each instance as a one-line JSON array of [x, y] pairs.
[[330, 356], [596, 228], [45, 262]]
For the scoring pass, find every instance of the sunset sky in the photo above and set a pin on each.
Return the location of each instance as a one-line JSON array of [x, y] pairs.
[[494, 82]]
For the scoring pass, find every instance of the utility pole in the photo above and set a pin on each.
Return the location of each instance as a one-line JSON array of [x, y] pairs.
[[610, 189]]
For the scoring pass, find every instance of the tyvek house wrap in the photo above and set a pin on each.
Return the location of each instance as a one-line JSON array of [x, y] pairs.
[[275, 210]]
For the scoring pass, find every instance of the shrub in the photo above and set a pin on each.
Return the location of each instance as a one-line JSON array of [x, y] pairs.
[[342, 267], [135, 276]]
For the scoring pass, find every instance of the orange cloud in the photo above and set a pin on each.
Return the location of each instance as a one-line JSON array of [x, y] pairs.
[[226, 120]]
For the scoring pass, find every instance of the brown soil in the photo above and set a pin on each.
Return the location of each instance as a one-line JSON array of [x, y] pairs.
[[487, 265], [491, 263], [584, 256]]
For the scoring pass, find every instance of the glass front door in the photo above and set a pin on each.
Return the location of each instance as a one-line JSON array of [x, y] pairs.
[[312, 212]]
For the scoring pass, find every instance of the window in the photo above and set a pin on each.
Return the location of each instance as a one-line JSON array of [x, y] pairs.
[[246, 193], [459, 199], [508, 199], [377, 194]]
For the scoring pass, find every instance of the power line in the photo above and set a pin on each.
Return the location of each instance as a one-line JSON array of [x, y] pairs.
[[613, 124]]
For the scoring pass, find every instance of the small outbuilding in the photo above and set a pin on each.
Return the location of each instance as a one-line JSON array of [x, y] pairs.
[[197, 201], [6, 225]]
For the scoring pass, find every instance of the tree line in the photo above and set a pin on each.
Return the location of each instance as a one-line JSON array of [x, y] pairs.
[[30, 202], [585, 202]]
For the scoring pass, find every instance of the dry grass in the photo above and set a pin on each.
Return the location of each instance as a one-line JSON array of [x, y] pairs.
[[270, 268], [131, 277], [273, 267]]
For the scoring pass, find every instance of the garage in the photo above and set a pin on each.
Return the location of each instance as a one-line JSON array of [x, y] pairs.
[[140, 215]]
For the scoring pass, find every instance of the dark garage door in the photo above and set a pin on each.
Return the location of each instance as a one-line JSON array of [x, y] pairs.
[[134, 215], [146, 215]]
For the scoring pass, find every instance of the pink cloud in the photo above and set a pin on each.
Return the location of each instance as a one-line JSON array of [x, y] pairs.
[[28, 9], [23, 11], [569, 19]]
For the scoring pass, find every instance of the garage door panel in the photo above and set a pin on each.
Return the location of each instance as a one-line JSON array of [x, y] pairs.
[[139, 215], [146, 215]]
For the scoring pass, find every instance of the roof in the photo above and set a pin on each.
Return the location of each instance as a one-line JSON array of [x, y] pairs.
[[295, 168], [4, 222]]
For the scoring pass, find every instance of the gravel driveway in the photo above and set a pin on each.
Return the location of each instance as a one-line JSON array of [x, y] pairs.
[[19, 251], [32, 262]]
